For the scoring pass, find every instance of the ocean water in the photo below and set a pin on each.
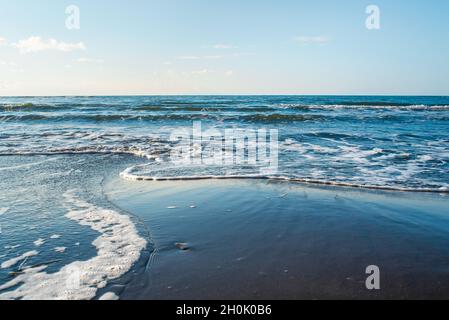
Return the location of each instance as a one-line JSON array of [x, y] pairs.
[[383, 142], [56, 153]]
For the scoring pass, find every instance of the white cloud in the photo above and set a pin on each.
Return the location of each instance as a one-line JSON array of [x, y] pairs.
[[312, 40], [224, 46], [2, 41], [229, 73], [37, 44], [89, 60]]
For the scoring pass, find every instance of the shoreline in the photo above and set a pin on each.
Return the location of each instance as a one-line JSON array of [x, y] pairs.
[[125, 175], [285, 241], [258, 239]]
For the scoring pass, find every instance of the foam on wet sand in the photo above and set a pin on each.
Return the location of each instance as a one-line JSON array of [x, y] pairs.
[[118, 248], [109, 296], [12, 262]]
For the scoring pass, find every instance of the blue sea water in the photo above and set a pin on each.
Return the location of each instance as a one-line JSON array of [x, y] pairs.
[[57, 152], [371, 141]]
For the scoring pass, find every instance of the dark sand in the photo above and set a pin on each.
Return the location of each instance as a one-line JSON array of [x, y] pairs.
[[272, 240]]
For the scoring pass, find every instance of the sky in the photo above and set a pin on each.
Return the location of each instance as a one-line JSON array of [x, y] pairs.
[[152, 47]]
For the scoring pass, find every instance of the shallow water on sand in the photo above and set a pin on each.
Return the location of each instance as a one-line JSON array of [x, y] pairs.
[[57, 223], [286, 241]]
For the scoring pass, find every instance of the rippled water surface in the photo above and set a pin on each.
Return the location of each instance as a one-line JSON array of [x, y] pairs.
[[394, 142]]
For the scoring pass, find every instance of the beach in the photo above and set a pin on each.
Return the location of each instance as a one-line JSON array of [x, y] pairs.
[[102, 200], [204, 240], [286, 241]]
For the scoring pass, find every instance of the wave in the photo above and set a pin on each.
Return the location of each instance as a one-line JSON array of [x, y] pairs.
[[156, 156], [79, 151], [217, 106], [277, 117], [246, 117], [207, 109], [128, 175], [358, 106]]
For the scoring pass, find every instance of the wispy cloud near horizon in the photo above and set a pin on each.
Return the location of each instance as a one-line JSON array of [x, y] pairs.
[[37, 44]]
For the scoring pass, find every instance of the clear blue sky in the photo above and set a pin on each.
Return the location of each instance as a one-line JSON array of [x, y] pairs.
[[224, 47]]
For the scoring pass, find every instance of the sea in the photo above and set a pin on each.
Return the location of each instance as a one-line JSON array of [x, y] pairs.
[[60, 235]]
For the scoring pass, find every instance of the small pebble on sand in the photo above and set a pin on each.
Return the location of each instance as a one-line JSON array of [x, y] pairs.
[[182, 246]]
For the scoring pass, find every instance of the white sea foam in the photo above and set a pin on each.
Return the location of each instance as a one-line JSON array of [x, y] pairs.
[[3, 211], [39, 242], [118, 248], [12, 247], [10, 263], [109, 296], [419, 107], [129, 174]]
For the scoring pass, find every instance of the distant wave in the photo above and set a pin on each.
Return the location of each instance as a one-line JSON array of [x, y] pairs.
[[218, 106], [383, 106], [258, 117], [243, 117]]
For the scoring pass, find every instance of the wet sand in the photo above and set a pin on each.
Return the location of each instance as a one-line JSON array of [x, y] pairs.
[[269, 240]]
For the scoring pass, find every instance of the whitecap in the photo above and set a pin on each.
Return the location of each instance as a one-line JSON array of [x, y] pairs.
[[39, 242], [60, 249]]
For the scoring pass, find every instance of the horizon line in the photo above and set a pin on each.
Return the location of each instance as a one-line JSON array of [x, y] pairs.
[[223, 95]]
